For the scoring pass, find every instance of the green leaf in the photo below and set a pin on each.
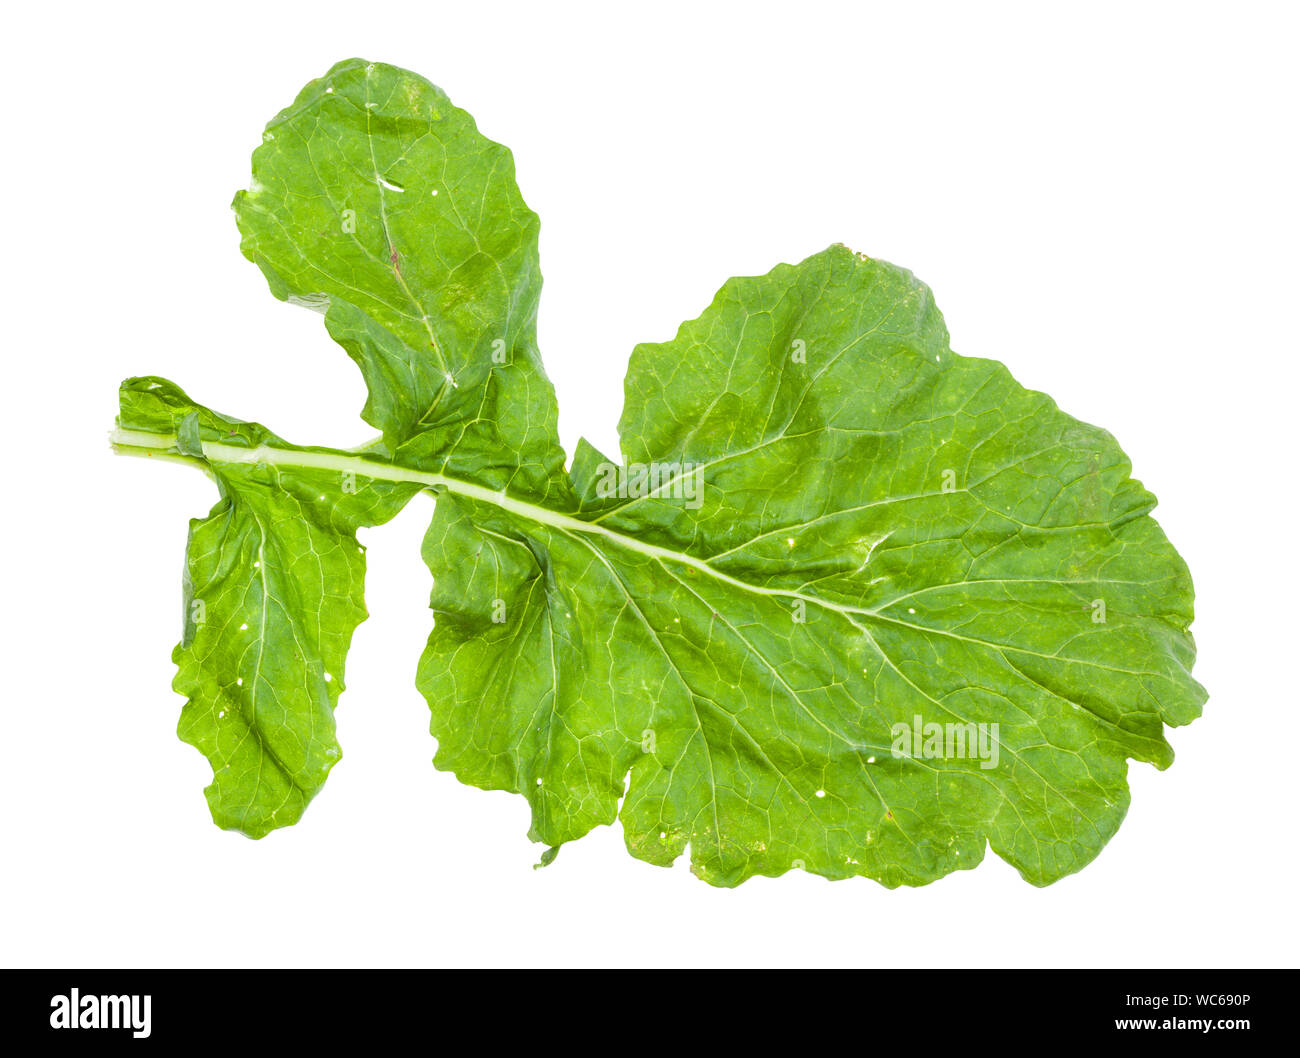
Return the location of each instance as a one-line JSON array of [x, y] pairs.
[[850, 603], [376, 201], [887, 535], [273, 591]]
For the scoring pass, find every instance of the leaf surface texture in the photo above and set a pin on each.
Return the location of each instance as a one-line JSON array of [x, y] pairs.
[[849, 531]]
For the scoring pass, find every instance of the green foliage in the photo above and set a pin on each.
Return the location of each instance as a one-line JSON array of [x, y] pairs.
[[853, 603]]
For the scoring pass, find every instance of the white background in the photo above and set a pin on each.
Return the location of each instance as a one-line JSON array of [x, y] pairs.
[[1102, 197]]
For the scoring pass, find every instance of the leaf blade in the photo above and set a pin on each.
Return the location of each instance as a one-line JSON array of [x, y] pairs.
[[824, 493], [272, 594], [376, 200]]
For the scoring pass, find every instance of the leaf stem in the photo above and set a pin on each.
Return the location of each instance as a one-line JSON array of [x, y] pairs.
[[136, 442]]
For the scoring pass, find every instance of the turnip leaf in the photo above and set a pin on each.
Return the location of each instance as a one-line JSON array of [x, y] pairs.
[[849, 602]]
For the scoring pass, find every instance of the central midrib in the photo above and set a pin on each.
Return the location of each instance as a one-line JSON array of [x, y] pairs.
[[143, 443]]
